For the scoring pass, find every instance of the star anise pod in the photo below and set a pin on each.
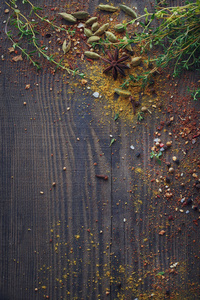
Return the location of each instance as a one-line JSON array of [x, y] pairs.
[[115, 63]]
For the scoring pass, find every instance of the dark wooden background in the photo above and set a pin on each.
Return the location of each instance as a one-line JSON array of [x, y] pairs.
[[88, 238]]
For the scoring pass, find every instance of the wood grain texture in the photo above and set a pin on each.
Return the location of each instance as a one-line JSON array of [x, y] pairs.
[[86, 238]]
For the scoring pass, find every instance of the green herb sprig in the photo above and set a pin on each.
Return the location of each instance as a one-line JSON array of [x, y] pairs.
[[157, 156], [178, 34], [195, 94], [27, 29]]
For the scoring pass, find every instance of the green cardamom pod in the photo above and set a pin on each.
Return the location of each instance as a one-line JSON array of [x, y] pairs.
[[90, 21], [128, 11], [128, 46], [102, 29], [93, 39], [107, 7], [66, 47], [119, 28], [122, 93], [68, 17], [111, 36], [88, 32], [91, 55], [80, 15], [95, 26], [135, 61]]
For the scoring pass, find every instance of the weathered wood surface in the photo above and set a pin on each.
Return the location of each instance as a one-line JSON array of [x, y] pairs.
[[86, 238]]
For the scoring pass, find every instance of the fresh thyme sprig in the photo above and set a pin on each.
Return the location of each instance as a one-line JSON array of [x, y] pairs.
[[157, 156], [26, 28], [195, 93], [178, 34]]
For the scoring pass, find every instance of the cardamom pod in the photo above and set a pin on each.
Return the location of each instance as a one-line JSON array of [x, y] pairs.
[[128, 46], [91, 55], [122, 93], [90, 21], [135, 61], [102, 29], [95, 26], [80, 15], [66, 47], [144, 109], [93, 39], [119, 28], [68, 17], [88, 32], [107, 7], [111, 36], [128, 11]]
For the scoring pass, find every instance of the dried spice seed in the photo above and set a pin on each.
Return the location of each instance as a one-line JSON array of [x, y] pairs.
[[102, 29], [111, 37], [93, 39], [127, 45], [17, 58], [115, 63], [169, 143], [177, 161], [80, 15], [135, 61], [83, 81], [107, 7], [95, 26], [68, 17], [90, 21], [91, 55], [105, 177], [162, 232], [66, 47], [128, 11], [171, 170], [144, 109], [88, 32], [119, 28]]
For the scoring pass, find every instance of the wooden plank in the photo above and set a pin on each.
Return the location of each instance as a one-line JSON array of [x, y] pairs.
[[84, 237]]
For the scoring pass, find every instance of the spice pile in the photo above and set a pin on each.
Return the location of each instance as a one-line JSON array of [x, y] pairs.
[[88, 46]]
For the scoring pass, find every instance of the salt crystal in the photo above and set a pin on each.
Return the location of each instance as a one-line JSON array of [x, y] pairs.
[[194, 141], [80, 25], [95, 94], [132, 147]]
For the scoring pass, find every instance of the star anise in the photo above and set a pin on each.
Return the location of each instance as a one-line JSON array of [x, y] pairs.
[[115, 63]]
